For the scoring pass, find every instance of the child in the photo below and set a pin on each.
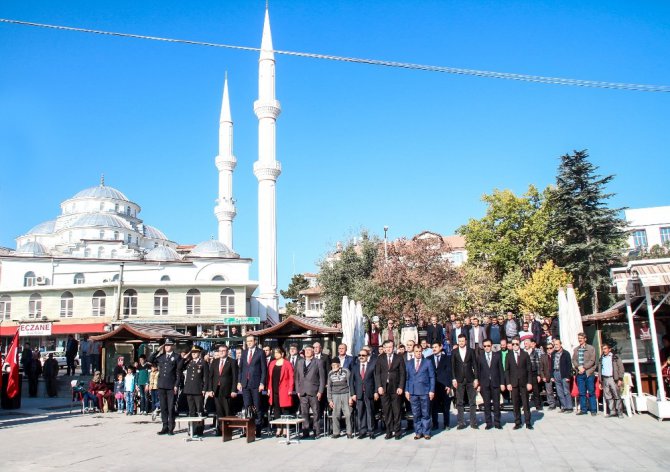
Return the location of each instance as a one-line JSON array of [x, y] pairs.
[[119, 388], [129, 390], [153, 386]]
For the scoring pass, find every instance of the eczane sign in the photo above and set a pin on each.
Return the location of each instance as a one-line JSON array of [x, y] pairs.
[[35, 329]]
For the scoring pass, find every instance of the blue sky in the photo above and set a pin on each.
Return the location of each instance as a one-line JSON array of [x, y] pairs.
[[361, 146]]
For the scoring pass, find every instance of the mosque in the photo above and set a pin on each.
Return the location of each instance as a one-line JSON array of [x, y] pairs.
[[98, 263]]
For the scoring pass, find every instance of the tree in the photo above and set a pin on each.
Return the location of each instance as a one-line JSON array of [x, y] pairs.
[[476, 293], [292, 294], [590, 236], [348, 271], [539, 295], [415, 280], [514, 233]]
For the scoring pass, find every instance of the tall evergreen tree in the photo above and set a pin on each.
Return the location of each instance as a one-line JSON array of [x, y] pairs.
[[292, 294], [590, 235]]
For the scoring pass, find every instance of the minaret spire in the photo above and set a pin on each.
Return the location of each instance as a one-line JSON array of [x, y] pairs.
[[267, 169], [225, 162]]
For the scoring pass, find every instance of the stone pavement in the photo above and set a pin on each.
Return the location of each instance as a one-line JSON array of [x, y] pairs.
[[44, 436]]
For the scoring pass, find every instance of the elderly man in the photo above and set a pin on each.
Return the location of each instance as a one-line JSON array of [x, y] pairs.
[[345, 359], [390, 377], [310, 383], [518, 378], [562, 372], [584, 361], [610, 372], [390, 333], [435, 332]]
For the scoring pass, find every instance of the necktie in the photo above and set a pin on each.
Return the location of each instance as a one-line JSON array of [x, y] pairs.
[[363, 376], [437, 361], [389, 359], [249, 356], [488, 358], [417, 363], [221, 364], [516, 357]]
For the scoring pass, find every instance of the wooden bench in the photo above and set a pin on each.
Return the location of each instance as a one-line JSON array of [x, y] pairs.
[[228, 423]]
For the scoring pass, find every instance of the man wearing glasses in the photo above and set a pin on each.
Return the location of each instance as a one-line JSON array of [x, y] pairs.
[[464, 368], [547, 378], [491, 377], [364, 393], [518, 375]]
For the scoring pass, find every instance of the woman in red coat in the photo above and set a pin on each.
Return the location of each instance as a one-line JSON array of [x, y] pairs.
[[280, 385]]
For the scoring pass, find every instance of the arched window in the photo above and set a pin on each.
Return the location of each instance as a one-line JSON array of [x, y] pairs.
[[87, 252], [165, 278], [130, 238], [161, 302], [35, 306], [227, 301], [102, 234], [66, 305], [98, 303], [116, 207], [218, 278], [193, 302], [102, 206], [29, 279], [101, 252], [128, 210], [129, 302], [78, 278], [5, 307], [113, 254], [116, 235]]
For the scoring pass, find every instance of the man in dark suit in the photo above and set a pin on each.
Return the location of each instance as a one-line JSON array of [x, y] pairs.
[[390, 376], [457, 331], [310, 384], [169, 374], [222, 380], [253, 374], [365, 393], [345, 359], [464, 368], [324, 358], [443, 377], [517, 374], [435, 332], [491, 376], [420, 391]]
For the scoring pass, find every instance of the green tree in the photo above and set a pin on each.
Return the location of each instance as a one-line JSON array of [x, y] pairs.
[[539, 295], [590, 236], [348, 271], [292, 294], [476, 293]]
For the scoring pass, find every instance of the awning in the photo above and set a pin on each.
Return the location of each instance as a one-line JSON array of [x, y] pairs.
[[134, 331], [294, 325], [61, 328]]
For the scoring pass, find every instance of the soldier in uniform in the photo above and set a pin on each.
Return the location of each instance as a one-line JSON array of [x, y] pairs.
[[195, 383], [169, 368]]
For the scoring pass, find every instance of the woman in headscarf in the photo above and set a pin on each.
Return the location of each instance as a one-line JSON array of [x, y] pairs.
[[120, 368], [98, 389]]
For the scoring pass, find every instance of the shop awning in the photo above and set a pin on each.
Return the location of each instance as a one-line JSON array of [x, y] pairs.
[[296, 325], [61, 328], [135, 331]]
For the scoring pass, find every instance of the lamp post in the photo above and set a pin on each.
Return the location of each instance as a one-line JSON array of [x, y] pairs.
[[386, 251]]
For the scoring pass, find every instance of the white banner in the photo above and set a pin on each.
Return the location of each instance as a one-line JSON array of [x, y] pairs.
[[35, 329]]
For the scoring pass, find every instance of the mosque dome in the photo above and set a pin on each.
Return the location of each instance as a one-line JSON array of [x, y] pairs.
[[99, 220], [43, 228], [162, 253], [153, 232], [212, 248], [32, 248], [101, 191]]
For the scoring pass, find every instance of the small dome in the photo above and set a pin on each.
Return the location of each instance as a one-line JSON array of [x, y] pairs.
[[162, 253], [153, 233], [32, 248], [212, 248], [43, 228], [101, 191], [99, 220]]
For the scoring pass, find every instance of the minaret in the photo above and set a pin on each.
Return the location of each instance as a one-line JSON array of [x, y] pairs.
[[225, 163], [266, 170]]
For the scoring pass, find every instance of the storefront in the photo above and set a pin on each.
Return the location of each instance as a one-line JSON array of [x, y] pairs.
[[48, 335]]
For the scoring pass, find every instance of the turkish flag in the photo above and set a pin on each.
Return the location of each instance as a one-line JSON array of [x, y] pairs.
[[12, 354]]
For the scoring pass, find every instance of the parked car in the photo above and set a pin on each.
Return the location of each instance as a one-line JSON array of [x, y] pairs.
[[60, 357]]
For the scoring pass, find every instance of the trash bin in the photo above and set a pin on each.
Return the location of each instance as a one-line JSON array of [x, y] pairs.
[[10, 403]]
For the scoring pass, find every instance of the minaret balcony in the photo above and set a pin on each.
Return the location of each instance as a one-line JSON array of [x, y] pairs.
[[267, 109], [267, 170], [225, 162]]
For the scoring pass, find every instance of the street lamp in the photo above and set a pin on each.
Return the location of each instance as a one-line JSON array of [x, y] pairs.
[[386, 251]]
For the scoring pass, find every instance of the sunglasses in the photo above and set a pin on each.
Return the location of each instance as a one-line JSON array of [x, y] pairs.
[[515, 344], [487, 345], [362, 355]]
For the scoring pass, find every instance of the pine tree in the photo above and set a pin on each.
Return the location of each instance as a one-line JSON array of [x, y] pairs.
[[590, 235], [292, 294]]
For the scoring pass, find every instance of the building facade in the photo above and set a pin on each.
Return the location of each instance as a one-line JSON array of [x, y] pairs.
[[648, 227]]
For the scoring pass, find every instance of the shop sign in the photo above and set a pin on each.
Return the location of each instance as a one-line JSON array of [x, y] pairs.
[[35, 329]]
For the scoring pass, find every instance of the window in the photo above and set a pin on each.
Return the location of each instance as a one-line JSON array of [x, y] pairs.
[[116, 207], [130, 238], [193, 302], [640, 239], [665, 235], [129, 303], [101, 252], [98, 303], [5, 307], [78, 278], [29, 279], [87, 252], [161, 302], [66, 305], [102, 234], [35, 306], [116, 235], [102, 206], [218, 278], [316, 305], [227, 301], [116, 277], [165, 278], [128, 210]]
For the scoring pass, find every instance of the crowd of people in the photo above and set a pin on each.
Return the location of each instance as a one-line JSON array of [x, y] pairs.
[[414, 373]]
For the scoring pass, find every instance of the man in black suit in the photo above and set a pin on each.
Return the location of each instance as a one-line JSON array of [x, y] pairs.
[[222, 381], [464, 368], [390, 376], [435, 332], [491, 377], [365, 393], [443, 377], [310, 385], [324, 358], [252, 378], [457, 331], [518, 373]]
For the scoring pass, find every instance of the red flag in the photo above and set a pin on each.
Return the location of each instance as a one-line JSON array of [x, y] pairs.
[[12, 354]]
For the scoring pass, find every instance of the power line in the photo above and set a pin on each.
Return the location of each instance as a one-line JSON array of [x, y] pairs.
[[376, 62]]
